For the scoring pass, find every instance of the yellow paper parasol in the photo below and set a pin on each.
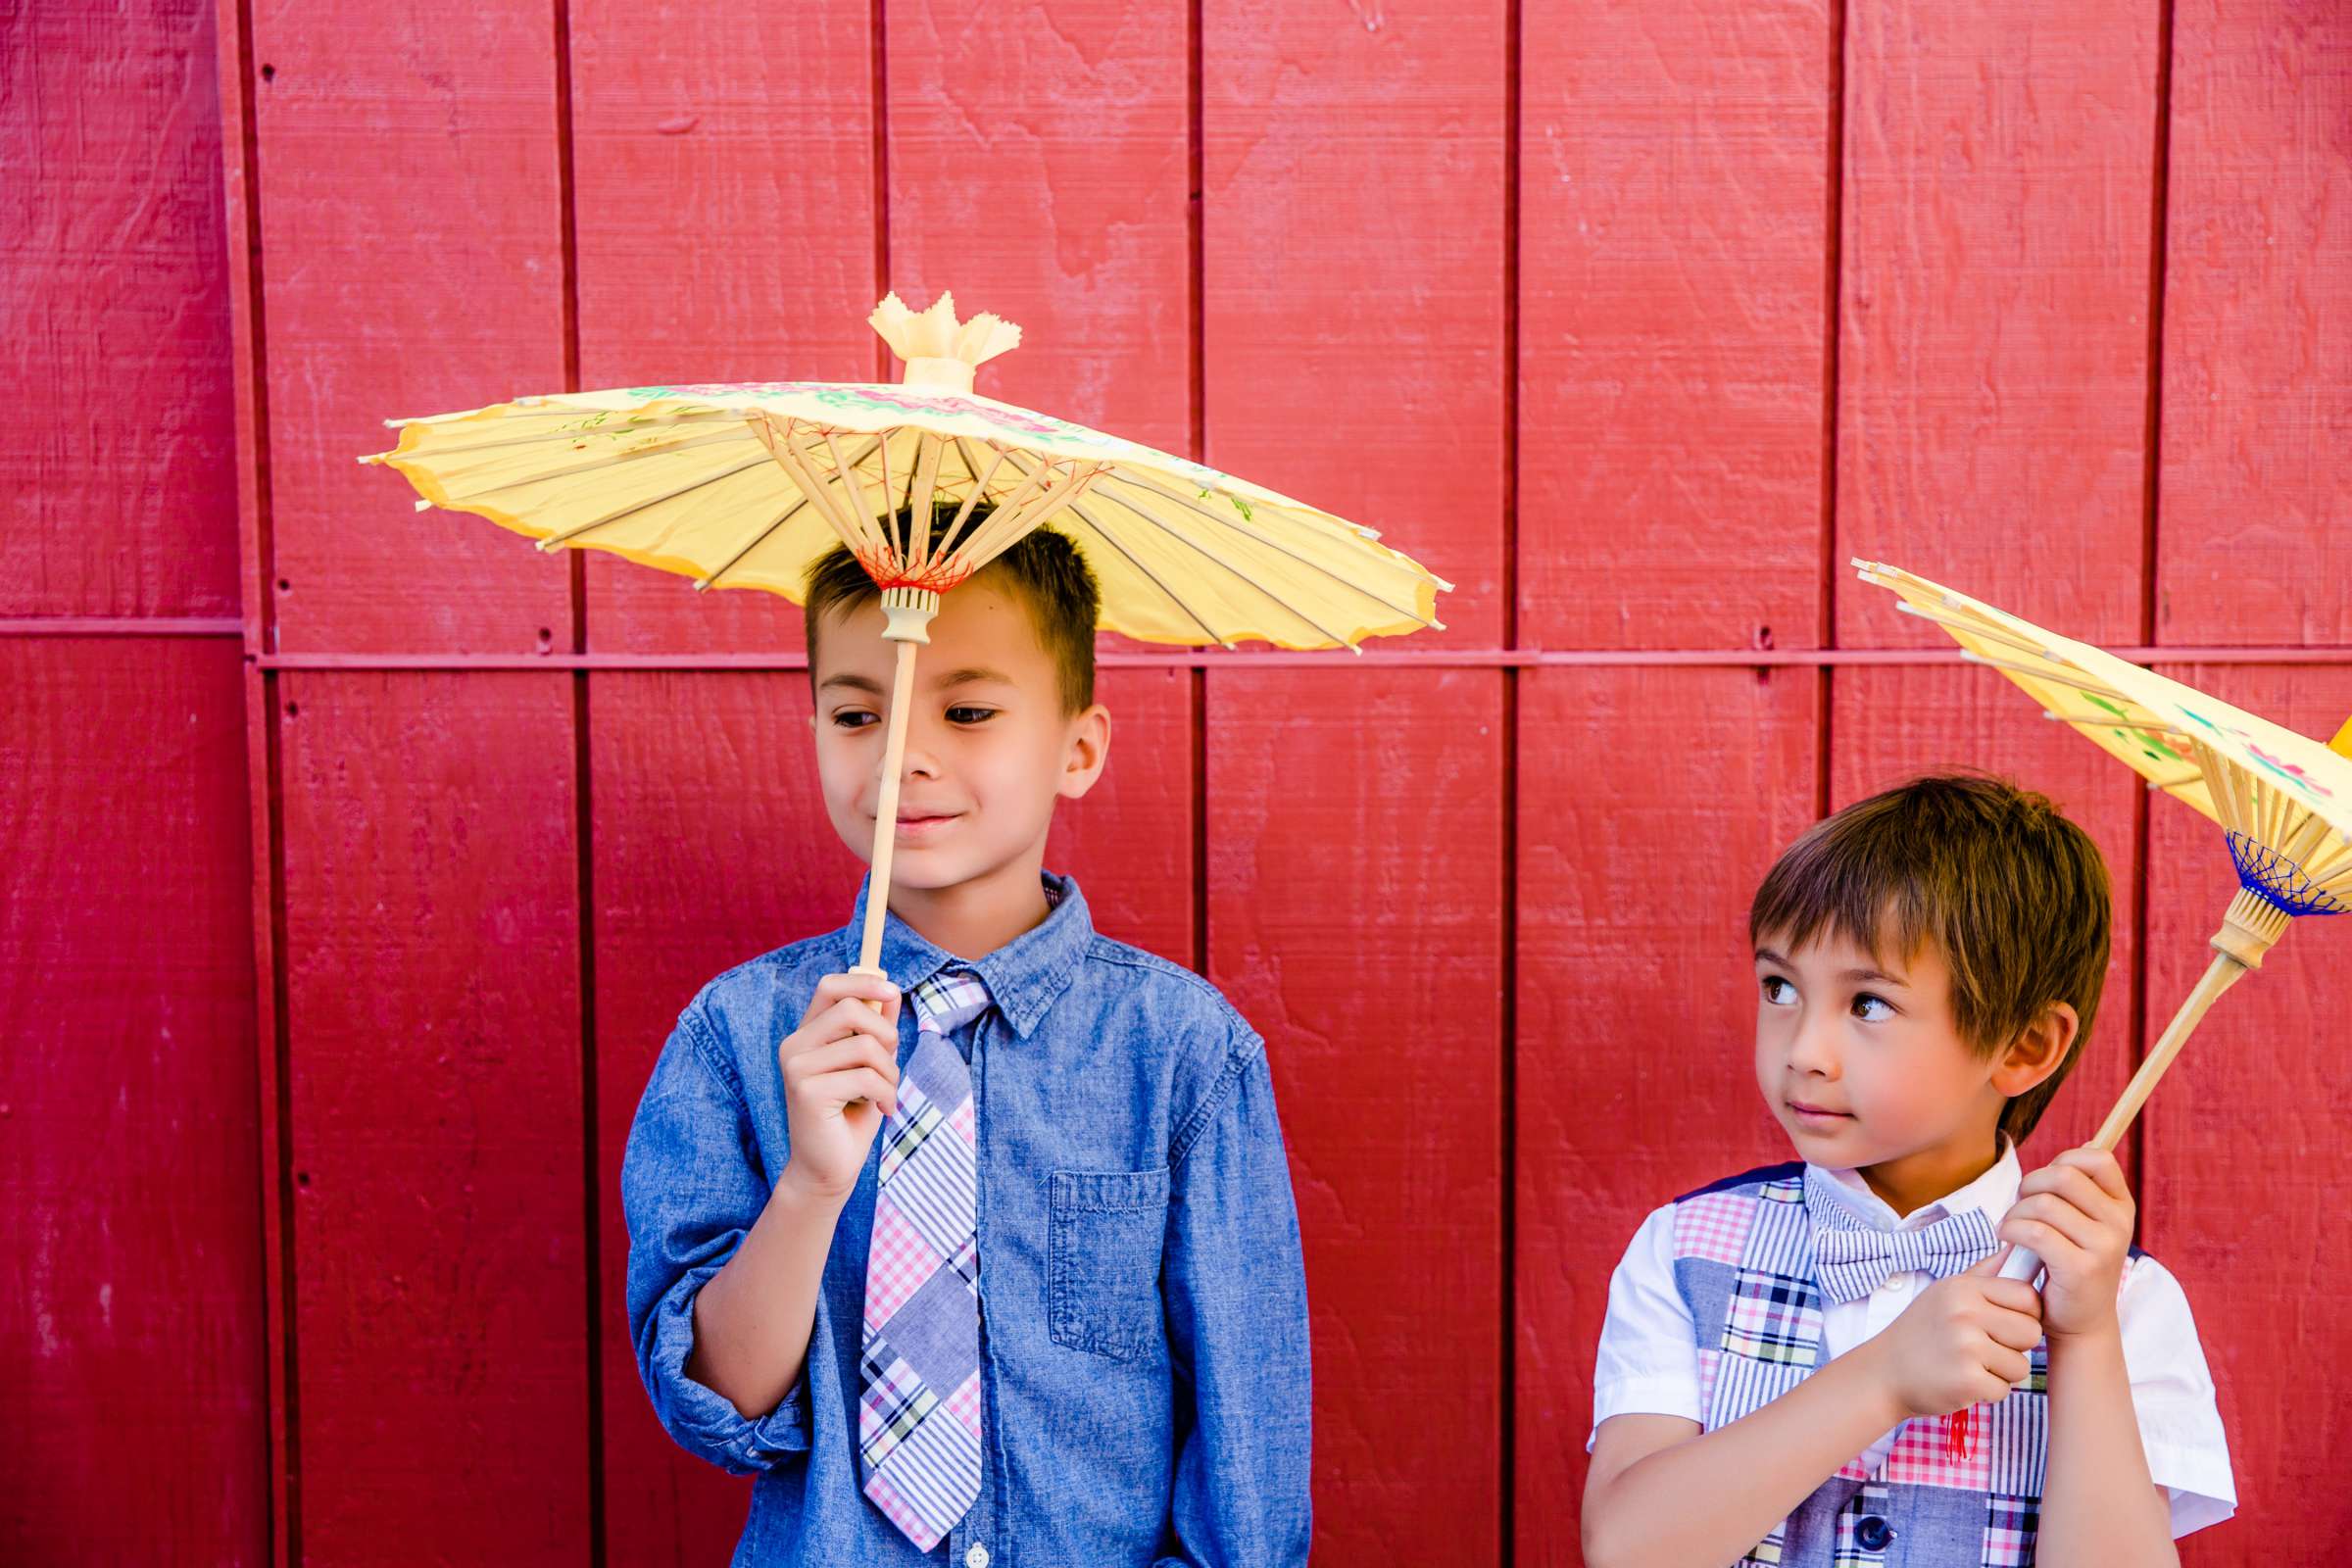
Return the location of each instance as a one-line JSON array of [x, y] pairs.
[[746, 485], [2283, 801]]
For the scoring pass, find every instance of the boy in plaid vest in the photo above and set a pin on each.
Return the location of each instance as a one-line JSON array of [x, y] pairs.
[[1814, 1363], [993, 1260]]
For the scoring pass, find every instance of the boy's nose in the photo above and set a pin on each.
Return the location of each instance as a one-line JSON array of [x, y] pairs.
[[917, 763], [1812, 1049]]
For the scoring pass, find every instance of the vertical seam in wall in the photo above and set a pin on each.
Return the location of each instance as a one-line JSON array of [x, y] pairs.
[[263, 528], [591, 1114], [2159, 221], [570, 269], [1196, 388], [878, 94], [282, 1047], [2159, 234], [283, 1461], [592, 1232], [1507, 1099], [1832, 292]]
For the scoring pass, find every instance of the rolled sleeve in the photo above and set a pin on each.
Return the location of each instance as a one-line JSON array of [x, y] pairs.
[[1647, 1363], [691, 1189]]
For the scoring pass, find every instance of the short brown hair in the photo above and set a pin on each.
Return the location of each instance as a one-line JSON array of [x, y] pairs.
[[2014, 896], [1044, 570]]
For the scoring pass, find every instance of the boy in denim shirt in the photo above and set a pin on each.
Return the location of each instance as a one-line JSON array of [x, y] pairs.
[[1054, 1315]]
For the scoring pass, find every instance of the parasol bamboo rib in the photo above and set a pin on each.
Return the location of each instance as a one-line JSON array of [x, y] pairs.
[[1105, 534], [1274, 545], [711, 579]]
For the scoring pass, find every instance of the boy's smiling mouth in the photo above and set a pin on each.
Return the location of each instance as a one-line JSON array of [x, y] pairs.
[[920, 824], [1815, 1114]]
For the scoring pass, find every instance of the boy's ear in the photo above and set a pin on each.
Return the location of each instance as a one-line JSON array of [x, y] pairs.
[[1089, 748], [2039, 1050]]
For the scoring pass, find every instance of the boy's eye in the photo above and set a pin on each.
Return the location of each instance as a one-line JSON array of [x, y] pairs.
[[969, 715], [1866, 1001], [852, 718], [1774, 986]]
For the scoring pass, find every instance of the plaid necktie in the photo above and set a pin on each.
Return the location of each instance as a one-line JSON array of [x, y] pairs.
[[1853, 1256], [919, 1417]]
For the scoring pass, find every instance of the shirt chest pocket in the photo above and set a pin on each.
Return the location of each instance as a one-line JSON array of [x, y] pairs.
[[1103, 1265]]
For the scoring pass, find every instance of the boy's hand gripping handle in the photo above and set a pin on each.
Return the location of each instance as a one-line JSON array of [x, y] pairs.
[[2024, 1263]]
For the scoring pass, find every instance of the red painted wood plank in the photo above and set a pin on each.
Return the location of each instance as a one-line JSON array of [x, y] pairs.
[[1355, 917], [433, 1014], [1888, 725], [1650, 802], [712, 846], [1072, 113], [725, 201], [248, 381], [1993, 369], [114, 307], [1129, 842], [2245, 1145], [130, 1293], [1353, 267], [1674, 209], [1075, 114], [411, 261], [2251, 544]]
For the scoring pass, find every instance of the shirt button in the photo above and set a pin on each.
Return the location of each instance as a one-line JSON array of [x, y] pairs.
[[977, 1557], [1872, 1533], [1895, 1280]]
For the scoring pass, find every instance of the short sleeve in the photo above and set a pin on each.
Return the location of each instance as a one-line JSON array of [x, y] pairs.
[[1648, 1358], [2172, 1395]]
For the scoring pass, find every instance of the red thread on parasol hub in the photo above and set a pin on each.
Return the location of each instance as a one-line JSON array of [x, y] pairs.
[[888, 572]]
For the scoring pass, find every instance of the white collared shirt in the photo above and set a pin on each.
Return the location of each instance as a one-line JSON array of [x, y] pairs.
[[1648, 1358]]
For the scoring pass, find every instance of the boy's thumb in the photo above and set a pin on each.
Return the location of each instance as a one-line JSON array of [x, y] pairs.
[[1991, 1263]]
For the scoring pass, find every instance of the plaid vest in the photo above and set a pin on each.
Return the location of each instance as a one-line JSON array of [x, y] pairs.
[[1744, 1264]]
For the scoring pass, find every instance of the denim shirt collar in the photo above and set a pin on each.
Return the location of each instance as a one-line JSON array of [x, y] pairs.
[[1024, 976]]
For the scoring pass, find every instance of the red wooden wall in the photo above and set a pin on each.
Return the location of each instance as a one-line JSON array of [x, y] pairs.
[[358, 860]]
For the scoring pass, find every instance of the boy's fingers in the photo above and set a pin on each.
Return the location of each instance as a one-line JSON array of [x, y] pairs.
[[2076, 1185], [855, 1052], [854, 1084], [2057, 1215], [1990, 1264], [860, 1014], [2014, 1296], [2019, 1330], [2104, 1170], [834, 989]]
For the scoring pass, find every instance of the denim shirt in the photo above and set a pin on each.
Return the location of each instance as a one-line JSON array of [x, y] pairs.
[[1144, 1329]]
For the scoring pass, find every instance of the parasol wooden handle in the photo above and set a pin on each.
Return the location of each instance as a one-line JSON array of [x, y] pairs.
[[885, 812], [2247, 931], [908, 615]]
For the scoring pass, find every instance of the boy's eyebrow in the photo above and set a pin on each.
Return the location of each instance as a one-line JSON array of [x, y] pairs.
[[971, 673], [1770, 957], [856, 683]]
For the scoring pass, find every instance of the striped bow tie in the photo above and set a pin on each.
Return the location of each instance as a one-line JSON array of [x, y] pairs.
[[1854, 1258]]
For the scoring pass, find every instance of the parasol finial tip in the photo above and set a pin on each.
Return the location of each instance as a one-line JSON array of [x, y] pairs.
[[935, 347]]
